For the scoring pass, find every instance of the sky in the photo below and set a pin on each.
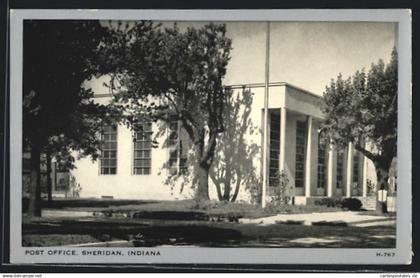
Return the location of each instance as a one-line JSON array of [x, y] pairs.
[[305, 54]]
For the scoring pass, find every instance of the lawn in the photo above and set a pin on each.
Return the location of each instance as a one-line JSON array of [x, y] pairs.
[[188, 207], [185, 223], [54, 232]]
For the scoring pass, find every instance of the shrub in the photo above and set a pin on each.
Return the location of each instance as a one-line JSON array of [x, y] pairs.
[[255, 193], [282, 190], [351, 204], [371, 186], [329, 202]]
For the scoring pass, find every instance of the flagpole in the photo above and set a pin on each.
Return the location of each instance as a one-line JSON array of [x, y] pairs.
[[265, 147]]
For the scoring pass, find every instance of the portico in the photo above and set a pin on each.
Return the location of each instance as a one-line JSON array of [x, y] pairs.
[[313, 168]]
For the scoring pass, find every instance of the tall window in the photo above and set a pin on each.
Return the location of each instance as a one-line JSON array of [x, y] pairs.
[[178, 148], [274, 148], [108, 159], [321, 163], [340, 162], [300, 153], [143, 149], [356, 167]]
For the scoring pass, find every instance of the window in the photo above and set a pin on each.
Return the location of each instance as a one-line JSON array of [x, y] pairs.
[[26, 165], [183, 167], [274, 165], [321, 163], [178, 148], [355, 167], [108, 159], [340, 161], [142, 149], [61, 184], [300, 152]]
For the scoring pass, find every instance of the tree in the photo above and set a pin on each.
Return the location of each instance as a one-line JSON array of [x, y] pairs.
[[58, 111], [233, 162], [162, 72], [363, 109]]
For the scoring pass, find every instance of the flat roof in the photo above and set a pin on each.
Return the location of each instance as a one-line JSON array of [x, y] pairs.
[[249, 85], [273, 84]]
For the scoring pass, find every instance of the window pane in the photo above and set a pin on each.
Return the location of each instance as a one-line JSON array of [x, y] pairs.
[[300, 153], [274, 147], [172, 162], [339, 177], [108, 160], [321, 164], [142, 148], [147, 145]]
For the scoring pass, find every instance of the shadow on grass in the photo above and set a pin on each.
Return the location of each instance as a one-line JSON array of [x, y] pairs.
[[84, 203], [172, 215], [153, 234], [300, 236], [209, 234]]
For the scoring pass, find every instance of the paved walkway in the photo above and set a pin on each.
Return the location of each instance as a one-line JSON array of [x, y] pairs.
[[351, 218], [52, 213]]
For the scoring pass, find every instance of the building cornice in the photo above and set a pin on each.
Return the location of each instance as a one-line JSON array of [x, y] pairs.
[[249, 85]]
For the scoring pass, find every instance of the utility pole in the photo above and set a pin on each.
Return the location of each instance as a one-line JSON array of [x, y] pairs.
[[266, 135]]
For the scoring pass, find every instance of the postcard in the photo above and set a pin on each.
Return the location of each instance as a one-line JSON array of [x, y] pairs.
[[210, 136]]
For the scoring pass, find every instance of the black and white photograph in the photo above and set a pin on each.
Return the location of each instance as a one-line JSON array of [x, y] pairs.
[[140, 138]]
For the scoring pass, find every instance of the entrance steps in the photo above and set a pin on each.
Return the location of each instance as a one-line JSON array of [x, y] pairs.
[[368, 203]]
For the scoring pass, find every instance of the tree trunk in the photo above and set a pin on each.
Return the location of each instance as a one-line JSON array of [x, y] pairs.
[[34, 208], [202, 192], [236, 192], [217, 177], [382, 175], [219, 190], [49, 183], [204, 164], [227, 187]]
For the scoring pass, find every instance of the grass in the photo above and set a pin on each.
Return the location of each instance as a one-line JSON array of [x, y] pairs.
[[86, 204], [178, 223], [211, 208], [58, 239], [55, 232]]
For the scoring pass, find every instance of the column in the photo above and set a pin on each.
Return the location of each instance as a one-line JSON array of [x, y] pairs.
[[266, 130], [282, 139], [364, 173], [265, 159], [308, 177], [349, 171], [330, 171]]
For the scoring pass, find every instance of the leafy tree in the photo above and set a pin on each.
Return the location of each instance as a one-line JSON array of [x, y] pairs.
[[162, 71], [58, 111], [363, 109], [233, 162]]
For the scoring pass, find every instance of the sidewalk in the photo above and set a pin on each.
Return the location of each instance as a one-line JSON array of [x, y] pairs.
[[349, 218], [57, 213]]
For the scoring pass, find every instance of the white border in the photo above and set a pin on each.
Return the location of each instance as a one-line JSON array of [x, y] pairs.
[[222, 255]]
